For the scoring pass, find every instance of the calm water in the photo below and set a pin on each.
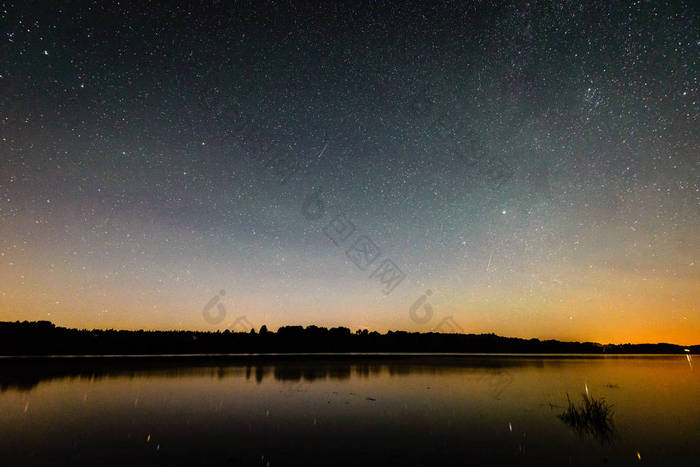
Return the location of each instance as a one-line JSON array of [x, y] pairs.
[[370, 410]]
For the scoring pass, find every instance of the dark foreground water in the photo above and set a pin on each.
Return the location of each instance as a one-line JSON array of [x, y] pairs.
[[345, 410]]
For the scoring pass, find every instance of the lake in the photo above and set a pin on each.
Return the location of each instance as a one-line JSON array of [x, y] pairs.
[[345, 410]]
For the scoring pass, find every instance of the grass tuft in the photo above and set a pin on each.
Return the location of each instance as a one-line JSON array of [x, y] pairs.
[[593, 416]]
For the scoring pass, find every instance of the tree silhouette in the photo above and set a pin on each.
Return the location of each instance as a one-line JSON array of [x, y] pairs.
[[44, 338]]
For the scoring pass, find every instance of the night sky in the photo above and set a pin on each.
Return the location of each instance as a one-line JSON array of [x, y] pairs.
[[528, 169]]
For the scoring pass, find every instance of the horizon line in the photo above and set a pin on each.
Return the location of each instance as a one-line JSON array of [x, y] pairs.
[[353, 332]]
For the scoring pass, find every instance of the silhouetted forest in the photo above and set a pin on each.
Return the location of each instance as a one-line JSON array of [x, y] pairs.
[[45, 338]]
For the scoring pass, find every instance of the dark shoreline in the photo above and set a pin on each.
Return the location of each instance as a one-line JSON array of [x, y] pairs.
[[274, 356], [43, 338]]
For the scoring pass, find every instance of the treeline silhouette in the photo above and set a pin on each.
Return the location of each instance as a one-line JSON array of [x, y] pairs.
[[45, 338]]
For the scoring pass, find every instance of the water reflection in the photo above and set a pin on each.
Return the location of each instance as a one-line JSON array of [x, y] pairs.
[[343, 410], [25, 374]]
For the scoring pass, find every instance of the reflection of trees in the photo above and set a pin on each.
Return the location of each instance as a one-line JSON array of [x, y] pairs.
[[366, 370], [259, 373], [339, 371], [25, 374]]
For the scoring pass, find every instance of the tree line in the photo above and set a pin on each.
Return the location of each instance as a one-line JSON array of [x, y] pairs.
[[45, 338]]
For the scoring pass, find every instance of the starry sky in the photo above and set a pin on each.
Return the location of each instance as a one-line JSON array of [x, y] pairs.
[[523, 168]]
